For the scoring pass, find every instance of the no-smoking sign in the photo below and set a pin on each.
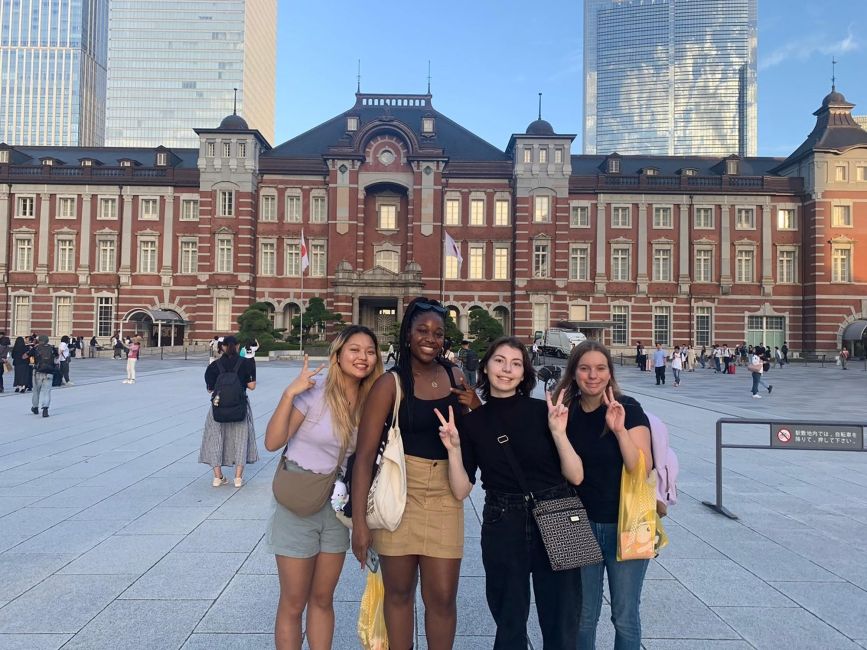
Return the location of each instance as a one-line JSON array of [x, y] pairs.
[[784, 435]]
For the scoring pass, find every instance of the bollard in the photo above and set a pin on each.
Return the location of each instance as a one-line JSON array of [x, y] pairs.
[[161, 353], [185, 353]]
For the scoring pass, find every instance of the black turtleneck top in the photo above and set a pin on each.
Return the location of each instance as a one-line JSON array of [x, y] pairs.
[[525, 421]]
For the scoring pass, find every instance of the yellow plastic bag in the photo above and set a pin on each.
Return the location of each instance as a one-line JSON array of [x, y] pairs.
[[640, 534], [371, 617]]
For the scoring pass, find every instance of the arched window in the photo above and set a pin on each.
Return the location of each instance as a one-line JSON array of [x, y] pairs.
[[387, 260]]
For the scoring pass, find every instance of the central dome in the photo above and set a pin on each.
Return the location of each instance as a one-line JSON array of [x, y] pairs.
[[234, 123], [540, 127]]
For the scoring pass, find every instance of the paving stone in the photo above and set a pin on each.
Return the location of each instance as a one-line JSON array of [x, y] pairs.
[[71, 600], [352, 581], [260, 562], [44, 486], [247, 604], [474, 618], [33, 641], [693, 644], [670, 611], [126, 506], [26, 522], [140, 624], [683, 544], [75, 497], [201, 493], [167, 521], [224, 536], [842, 606], [250, 502], [123, 554], [230, 642], [70, 537], [793, 629], [21, 571], [724, 582], [771, 561], [187, 576], [11, 504]]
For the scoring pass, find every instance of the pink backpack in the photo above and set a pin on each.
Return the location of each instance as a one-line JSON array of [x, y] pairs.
[[665, 463]]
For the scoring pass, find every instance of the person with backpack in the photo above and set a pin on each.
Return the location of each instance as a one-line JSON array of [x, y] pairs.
[[44, 361], [229, 437], [469, 362], [608, 430], [5, 346], [64, 353], [314, 426], [513, 553]]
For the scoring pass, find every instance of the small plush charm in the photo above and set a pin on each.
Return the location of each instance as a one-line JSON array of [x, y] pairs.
[[339, 496]]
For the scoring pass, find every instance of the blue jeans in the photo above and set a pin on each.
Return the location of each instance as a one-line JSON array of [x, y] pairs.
[[757, 379], [625, 580], [676, 373], [42, 389]]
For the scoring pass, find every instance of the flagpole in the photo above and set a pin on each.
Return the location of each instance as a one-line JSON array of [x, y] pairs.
[[443, 265], [301, 324]]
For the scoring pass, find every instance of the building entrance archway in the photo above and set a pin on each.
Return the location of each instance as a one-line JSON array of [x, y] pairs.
[[380, 315]]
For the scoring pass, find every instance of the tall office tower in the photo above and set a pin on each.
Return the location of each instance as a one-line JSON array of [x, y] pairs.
[[172, 67], [670, 77], [52, 72]]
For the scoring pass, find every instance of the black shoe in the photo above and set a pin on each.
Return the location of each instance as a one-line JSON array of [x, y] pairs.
[[34, 410], [45, 411], [770, 388]]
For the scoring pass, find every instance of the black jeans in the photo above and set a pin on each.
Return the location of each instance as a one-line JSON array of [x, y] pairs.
[[512, 552], [660, 374]]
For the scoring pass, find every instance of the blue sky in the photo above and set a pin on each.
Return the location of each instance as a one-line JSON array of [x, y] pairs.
[[490, 58]]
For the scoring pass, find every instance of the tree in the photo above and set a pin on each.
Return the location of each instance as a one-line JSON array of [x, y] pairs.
[[485, 328], [255, 324], [316, 315]]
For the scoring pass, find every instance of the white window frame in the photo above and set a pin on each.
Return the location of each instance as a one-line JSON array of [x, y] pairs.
[[387, 259], [67, 207], [476, 262], [144, 205], [451, 270], [386, 216], [841, 173], [787, 256], [161, 159], [745, 265], [541, 258], [22, 314], [352, 123], [500, 269], [541, 316], [227, 149], [268, 208], [189, 209], [618, 311], [579, 262], [224, 259], [617, 213], [188, 256], [147, 269], [452, 210], [861, 173], [318, 258], [558, 155], [661, 324], [318, 208], [702, 312], [20, 265], [293, 258], [502, 212], [226, 203], [660, 221], [623, 252], [63, 310], [106, 254], [579, 215], [663, 263], [107, 204], [222, 313], [211, 149], [542, 205], [839, 253], [845, 213], [741, 223], [242, 150], [64, 254], [701, 272], [706, 210], [293, 207], [543, 155], [782, 220], [25, 206], [528, 155], [477, 211], [268, 257], [104, 306]]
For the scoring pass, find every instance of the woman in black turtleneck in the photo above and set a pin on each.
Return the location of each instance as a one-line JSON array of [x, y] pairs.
[[512, 548]]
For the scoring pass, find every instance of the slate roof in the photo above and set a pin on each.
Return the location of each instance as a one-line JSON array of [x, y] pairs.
[[108, 156], [456, 142], [589, 165]]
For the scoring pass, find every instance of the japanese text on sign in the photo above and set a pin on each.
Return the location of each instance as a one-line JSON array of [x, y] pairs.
[[796, 436]]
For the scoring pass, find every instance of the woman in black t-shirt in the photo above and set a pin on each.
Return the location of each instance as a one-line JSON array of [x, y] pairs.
[[230, 443], [607, 429], [512, 549]]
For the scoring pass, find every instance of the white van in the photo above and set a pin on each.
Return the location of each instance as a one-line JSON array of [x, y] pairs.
[[559, 342]]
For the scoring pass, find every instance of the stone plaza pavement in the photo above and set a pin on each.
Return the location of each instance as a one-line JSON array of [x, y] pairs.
[[111, 535]]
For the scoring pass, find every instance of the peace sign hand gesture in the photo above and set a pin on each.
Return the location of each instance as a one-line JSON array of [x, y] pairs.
[[615, 415], [448, 432], [304, 381], [558, 413]]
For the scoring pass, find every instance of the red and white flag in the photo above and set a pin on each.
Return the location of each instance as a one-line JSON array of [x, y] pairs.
[[451, 249], [305, 258]]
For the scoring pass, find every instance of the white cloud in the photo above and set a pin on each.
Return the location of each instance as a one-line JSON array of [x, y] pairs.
[[806, 48]]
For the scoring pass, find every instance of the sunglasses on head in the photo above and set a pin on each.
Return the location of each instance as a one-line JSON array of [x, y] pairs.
[[430, 306]]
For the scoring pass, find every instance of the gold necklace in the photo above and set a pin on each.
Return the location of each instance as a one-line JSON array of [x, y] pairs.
[[433, 382]]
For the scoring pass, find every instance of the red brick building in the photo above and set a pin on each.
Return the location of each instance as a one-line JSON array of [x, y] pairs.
[[176, 244]]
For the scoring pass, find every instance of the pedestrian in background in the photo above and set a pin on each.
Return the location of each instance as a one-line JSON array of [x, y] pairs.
[[63, 355], [230, 443], [469, 362], [778, 356], [785, 351], [756, 368], [844, 357], [5, 347], [676, 365], [21, 365], [44, 362], [93, 344], [659, 363], [132, 359]]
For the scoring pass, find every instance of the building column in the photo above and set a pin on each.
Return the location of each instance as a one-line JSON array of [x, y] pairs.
[[600, 278], [125, 236], [84, 245], [44, 239], [168, 239], [767, 252], [5, 262], [642, 249], [683, 262], [725, 249]]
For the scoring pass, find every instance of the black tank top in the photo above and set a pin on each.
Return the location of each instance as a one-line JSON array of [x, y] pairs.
[[420, 427]]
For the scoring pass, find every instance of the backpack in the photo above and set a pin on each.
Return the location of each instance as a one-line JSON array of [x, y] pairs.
[[665, 465], [471, 361], [44, 358], [228, 400]]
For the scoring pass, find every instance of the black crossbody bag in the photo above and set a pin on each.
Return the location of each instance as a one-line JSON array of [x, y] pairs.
[[563, 523]]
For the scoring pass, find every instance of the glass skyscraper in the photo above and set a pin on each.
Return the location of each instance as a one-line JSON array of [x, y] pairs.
[[670, 77], [173, 66], [52, 72]]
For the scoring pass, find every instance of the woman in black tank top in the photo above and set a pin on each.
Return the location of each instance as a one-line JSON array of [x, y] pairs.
[[429, 540]]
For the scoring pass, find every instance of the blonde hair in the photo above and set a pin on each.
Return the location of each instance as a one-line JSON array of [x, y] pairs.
[[345, 420]]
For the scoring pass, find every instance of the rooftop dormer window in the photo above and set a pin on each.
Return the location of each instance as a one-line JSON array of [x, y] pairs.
[[162, 159], [126, 163], [352, 124], [689, 171], [427, 125], [48, 162], [613, 165], [732, 167], [4, 156], [87, 162], [650, 171]]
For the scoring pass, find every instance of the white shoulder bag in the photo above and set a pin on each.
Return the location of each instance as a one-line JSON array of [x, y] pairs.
[[387, 497]]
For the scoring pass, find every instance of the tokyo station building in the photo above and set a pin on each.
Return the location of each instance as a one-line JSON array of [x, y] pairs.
[[176, 243]]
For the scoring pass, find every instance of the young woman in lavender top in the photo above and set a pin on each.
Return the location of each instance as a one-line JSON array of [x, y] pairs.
[[318, 417]]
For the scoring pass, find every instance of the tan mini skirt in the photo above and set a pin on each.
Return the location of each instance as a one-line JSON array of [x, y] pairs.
[[433, 521]]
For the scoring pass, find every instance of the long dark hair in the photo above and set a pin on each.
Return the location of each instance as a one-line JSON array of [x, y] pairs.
[[527, 383], [19, 347], [402, 363]]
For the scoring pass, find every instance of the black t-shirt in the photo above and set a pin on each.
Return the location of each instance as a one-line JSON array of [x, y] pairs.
[[600, 454], [525, 421], [246, 371]]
